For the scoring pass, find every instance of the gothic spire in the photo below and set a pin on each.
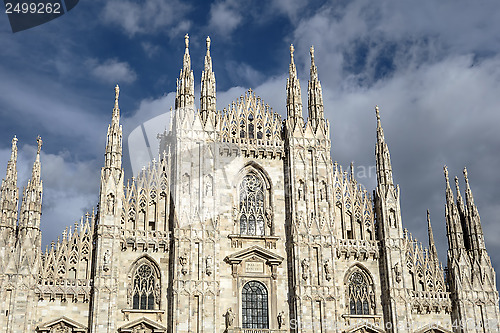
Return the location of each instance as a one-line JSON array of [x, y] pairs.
[[432, 245], [185, 83], [208, 92], [113, 156], [9, 191], [453, 224], [293, 95], [462, 211], [31, 207], [383, 158], [474, 221], [315, 95]]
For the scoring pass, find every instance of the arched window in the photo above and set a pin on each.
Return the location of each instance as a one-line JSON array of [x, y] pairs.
[[144, 283], [251, 205], [359, 297], [254, 307]]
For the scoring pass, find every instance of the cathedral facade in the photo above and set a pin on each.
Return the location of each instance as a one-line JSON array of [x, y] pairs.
[[243, 224]]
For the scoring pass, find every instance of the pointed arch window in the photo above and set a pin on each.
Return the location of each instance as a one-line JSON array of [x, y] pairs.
[[358, 294], [145, 287], [254, 306], [251, 205]]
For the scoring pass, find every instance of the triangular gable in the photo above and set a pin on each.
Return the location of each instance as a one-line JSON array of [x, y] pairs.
[[268, 256], [365, 329], [63, 322], [433, 329], [142, 323]]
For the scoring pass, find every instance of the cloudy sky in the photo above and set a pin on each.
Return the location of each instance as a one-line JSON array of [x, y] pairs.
[[433, 67]]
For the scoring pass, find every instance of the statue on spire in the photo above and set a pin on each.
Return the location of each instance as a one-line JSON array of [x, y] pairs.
[[186, 41], [39, 143]]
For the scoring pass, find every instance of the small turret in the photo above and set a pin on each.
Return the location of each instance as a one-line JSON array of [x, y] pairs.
[[113, 155], [9, 197], [474, 221], [453, 225], [31, 207], [293, 94], [432, 245], [315, 96], [208, 92], [185, 83], [382, 155]]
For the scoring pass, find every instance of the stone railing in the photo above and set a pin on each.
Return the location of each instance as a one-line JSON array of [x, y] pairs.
[[144, 240], [357, 248], [254, 330], [64, 289], [430, 301]]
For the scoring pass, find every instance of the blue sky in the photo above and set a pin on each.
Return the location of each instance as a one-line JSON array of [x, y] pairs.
[[432, 67]]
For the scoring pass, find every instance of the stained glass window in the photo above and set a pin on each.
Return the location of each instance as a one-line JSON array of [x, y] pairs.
[[254, 307], [251, 205], [359, 302], [144, 283]]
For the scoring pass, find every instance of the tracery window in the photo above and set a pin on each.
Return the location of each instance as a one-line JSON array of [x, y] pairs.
[[251, 206], [144, 287], [359, 298], [254, 306]]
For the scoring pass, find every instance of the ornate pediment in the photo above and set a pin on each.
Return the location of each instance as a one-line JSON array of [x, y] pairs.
[[433, 329], [61, 325], [142, 325], [365, 329], [254, 254], [255, 251]]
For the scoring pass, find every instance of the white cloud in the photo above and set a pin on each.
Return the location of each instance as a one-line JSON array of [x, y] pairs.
[[146, 17], [150, 49], [244, 73], [225, 16], [112, 71]]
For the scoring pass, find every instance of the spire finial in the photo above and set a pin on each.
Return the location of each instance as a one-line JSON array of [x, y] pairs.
[[311, 51], [377, 112], [445, 168], [186, 41], [292, 49], [14, 148], [208, 44], [428, 217], [39, 143], [117, 95], [466, 176]]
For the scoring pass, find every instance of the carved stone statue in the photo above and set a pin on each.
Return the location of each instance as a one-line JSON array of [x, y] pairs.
[[328, 270], [129, 295], [110, 203], [157, 292], [281, 320], [141, 328], [60, 328], [183, 260], [397, 271], [209, 265], [372, 299], [229, 315], [269, 217], [305, 268], [106, 261]]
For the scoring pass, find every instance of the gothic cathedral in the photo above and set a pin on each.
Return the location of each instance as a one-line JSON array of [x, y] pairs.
[[243, 224]]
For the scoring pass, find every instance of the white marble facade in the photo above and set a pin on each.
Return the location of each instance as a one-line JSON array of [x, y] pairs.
[[243, 224]]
